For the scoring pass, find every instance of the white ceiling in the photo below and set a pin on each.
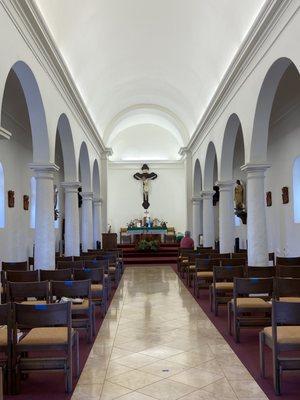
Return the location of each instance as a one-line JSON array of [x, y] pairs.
[[165, 57]]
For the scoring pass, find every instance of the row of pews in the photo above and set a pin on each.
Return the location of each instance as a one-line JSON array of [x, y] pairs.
[[266, 297], [43, 313]]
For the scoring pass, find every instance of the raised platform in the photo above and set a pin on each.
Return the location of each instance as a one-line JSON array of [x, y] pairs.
[[167, 254]]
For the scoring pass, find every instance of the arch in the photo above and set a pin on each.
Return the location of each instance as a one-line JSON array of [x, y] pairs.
[[231, 130], [259, 140], [85, 169], [66, 138], [2, 197], [36, 111], [197, 178], [96, 179], [210, 159], [140, 114]]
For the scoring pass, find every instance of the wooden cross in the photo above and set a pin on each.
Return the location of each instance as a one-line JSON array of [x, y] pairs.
[[145, 177]]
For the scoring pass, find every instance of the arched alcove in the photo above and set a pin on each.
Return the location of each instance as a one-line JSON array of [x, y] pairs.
[[283, 144], [35, 109], [23, 115], [64, 134], [96, 179], [84, 168], [210, 167], [197, 178], [233, 128], [259, 140]]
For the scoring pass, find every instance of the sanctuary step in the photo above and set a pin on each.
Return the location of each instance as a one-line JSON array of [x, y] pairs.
[[166, 254]]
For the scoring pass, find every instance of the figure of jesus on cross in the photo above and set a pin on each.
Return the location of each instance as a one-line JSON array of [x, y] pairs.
[[145, 177]]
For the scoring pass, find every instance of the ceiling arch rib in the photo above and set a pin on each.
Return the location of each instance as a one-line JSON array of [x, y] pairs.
[[146, 114]]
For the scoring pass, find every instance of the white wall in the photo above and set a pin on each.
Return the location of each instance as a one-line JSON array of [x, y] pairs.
[[167, 194]]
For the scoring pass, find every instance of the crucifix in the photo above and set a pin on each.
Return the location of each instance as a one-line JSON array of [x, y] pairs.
[[145, 177]]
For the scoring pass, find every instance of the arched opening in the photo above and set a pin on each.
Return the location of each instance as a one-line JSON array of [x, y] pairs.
[[23, 115], [232, 158], [259, 142], [209, 184], [35, 109], [97, 219], [86, 210], [197, 179], [210, 168], [65, 160], [84, 168], [197, 205], [96, 180], [283, 144]]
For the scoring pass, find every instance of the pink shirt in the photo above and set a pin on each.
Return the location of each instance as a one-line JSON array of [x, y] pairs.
[[187, 243]]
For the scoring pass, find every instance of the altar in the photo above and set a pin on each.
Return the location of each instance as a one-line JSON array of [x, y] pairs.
[[146, 231]]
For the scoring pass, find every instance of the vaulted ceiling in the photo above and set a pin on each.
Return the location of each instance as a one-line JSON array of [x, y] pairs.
[[156, 62]]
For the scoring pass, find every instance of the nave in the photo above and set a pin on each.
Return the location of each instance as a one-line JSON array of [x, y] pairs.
[[157, 343]]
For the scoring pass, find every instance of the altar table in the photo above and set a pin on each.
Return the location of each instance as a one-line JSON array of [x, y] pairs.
[[147, 231]]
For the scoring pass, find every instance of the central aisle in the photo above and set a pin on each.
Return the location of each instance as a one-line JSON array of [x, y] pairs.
[[156, 342]]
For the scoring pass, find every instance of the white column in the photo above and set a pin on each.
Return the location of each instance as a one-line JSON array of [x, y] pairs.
[[226, 217], [87, 221], [197, 217], [97, 220], [72, 235], [44, 254], [208, 219], [256, 214]]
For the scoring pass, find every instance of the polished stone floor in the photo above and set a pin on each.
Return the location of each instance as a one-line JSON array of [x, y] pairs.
[[156, 343]]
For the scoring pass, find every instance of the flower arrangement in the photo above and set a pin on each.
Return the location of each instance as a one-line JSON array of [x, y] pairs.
[[148, 245]]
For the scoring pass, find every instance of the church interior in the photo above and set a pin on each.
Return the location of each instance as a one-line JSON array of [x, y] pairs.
[[150, 200]]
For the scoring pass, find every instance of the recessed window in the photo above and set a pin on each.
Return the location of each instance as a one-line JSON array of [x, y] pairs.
[[33, 202], [296, 190], [2, 198]]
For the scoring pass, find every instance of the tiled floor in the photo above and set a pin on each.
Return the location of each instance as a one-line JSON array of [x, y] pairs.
[[156, 343]]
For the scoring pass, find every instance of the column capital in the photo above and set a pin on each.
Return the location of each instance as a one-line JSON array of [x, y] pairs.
[[196, 199], [87, 196], [184, 151], [207, 194], [43, 170], [97, 200], [255, 169], [225, 185], [107, 152], [71, 186], [4, 134]]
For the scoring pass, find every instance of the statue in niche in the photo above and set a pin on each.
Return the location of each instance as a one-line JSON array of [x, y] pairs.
[[26, 202], [269, 199], [239, 195], [285, 195], [11, 198], [145, 177], [239, 202]]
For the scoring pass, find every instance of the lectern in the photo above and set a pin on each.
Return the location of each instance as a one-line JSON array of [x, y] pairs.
[[109, 241]]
